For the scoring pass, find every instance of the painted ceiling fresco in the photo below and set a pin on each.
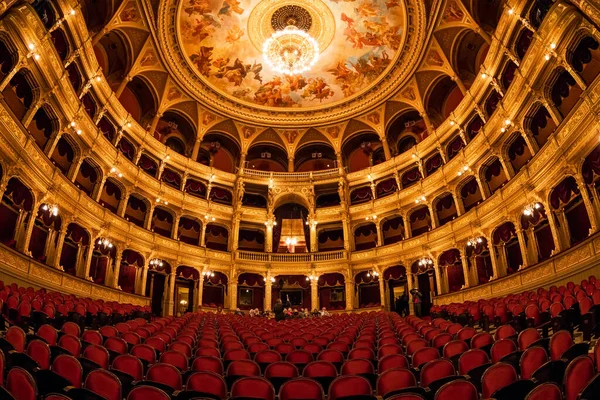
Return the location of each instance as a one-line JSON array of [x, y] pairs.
[[362, 38]]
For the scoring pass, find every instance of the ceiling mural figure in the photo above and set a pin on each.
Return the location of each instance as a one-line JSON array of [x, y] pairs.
[[291, 53]]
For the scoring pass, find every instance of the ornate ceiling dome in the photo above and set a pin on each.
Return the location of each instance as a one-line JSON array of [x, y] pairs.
[[217, 53]]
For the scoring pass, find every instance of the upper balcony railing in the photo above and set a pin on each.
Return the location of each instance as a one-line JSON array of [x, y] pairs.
[[291, 257], [331, 173]]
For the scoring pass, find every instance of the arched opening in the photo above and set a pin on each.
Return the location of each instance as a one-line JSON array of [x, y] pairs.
[[396, 288], [63, 154], [43, 126], [487, 13], [469, 52], [367, 287], [171, 178], [220, 195], [74, 248], [569, 210], [392, 230], [190, 231], [508, 251], [540, 124], [491, 103], [186, 285], [251, 239], [426, 284], [148, 165], [114, 56], [251, 291], [139, 100], [19, 93], [442, 100], [508, 74], [267, 157], [365, 237], [420, 221], [591, 171], [331, 239], [107, 128], [405, 132], [136, 210], [470, 194], [451, 262], [132, 263], [565, 93], [46, 12], [126, 148], [523, 42], [445, 209], [585, 59], [111, 195], [539, 240], [294, 289], [8, 56], [214, 290], [411, 177], [44, 235], [433, 163], [219, 151], [89, 105], [518, 152], [359, 151], [494, 175], [454, 147], [386, 187], [87, 176], [103, 260], [216, 237], [255, 200], [177, 132], [156, 282], [327, 199], [195, 188], [538, 12], [162, 222], [361, 195], [74, 76], [17, 202], [61, 44], [474, 127], [478, 257], [332, 293], [291, 234], [96, 14], [314, 157]]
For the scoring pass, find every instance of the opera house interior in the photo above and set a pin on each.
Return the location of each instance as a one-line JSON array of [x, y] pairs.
[[228, 198]]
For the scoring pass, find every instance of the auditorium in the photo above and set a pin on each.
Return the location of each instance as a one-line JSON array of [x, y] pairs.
[[299, 199]]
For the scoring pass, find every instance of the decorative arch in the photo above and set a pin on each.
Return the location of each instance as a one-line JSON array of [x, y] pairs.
[[115, 56], [267, 157], [131, 263], [470, 50], [176, 131], [217, 237], [251, 291], [445, 209], [140, 100], [88, 176], [46, 224], [420, 221], [112, 194], [314, 156], [517, 151], [504, 238], [331, 238], [17, 197], [190, 230], [44, 125], [295, 208], [162, 221], [214, 290], [360, 151], [406, 131], [21, 93], [137, 209], [564, 91], [450, 261], [221, 151], [470, 193], [539, 122], [251, 239], [480, 261], [443, 97], [367, 287], [584, 57], [74, 247], [392, 229], [9, 55], [365, 236], [493, 174], [566, 201], [332, 291], [65, 152]]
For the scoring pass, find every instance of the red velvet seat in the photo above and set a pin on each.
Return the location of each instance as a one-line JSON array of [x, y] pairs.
[[392, 361], [454, 348], [505, 331], [16, 337], [131, 338], [345, 386], [435, 370], [70, 343], [579, 373], [147, 393], [69, 368], [301, 388], [253, 387], [130, 365], [496, 377], [71, 328], [389, 349], [207, 383], [92, 337], [105, 384], [481, 340], [323, 372], [528, 337], [424, 355], [502, 348], [97, 354], [144, 352], [48, 333], [207, 351], [560, 342], [208, 363], [165, 374], [393, 380], [458, 389], [472, 359], [279, 372], [20, 384], [531, 360], [175, 358], [545, 391], [39, 351]]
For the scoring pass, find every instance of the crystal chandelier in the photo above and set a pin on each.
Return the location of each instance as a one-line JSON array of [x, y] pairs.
[[474, 241], [291, 51], [291, 241], [104, 243], [531, 209]]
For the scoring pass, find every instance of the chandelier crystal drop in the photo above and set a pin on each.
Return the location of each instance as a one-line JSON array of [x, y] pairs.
[[291, 51], [291, 241]]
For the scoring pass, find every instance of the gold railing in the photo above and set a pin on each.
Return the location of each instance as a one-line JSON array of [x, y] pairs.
[[290, 258]]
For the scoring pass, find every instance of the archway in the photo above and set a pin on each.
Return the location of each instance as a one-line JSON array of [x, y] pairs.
[[332, 293], [367, 287]]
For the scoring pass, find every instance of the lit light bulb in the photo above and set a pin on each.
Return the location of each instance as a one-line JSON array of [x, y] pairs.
[[511, 11]]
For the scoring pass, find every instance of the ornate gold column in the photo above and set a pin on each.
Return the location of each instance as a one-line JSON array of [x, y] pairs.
[[314, 294], [55, 262], [465, 267], [199, 292], [175, 229], [523, 247], [349, 290], [589, 206], [232, 288], [410, 286], [171, 294], [381, 290], [144, 279], [438, 280], [123, 204], [88, 258], [269, 235], [268, 292], [117, 269]]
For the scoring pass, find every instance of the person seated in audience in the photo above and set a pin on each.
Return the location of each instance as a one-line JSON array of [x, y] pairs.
[[305, 313], [325, 313], [251, 313], [239, 312], [316, 313], [279, 310], [219, 310]]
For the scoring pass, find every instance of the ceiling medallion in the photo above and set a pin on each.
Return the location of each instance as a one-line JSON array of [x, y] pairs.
[[291, 51]]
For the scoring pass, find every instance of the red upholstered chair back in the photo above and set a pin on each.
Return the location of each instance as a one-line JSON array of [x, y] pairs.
[[496, 377], [208, 363], [21, 384], [472, 359], [531, 360], [454, 347], [165, 374], [207, 351], [559, 343], [253, 387], [434, 370], [281, 369], [459, 389], [579, 373], [97, 354], [130, 365], [16, 337], [392, 361], [481, 339], [243, 368], [527, 337], [93, 337], [319, 369], [69, 368], [424, 355], [71, 328], [105, 384], [345, 386], [40, 352], [415, 345], [466, 333], [545, 391], [208, 383], [144, 352], [70, 343], [505, 331], [176, 359], [357, 366], [147, 393], [131, 338], [501, 348], [301, 388], [48, 333], [395, 379]]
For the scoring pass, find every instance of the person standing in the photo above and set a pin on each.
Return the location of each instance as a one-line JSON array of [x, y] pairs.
[[278, 311], [404, 311], [417, 301]]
